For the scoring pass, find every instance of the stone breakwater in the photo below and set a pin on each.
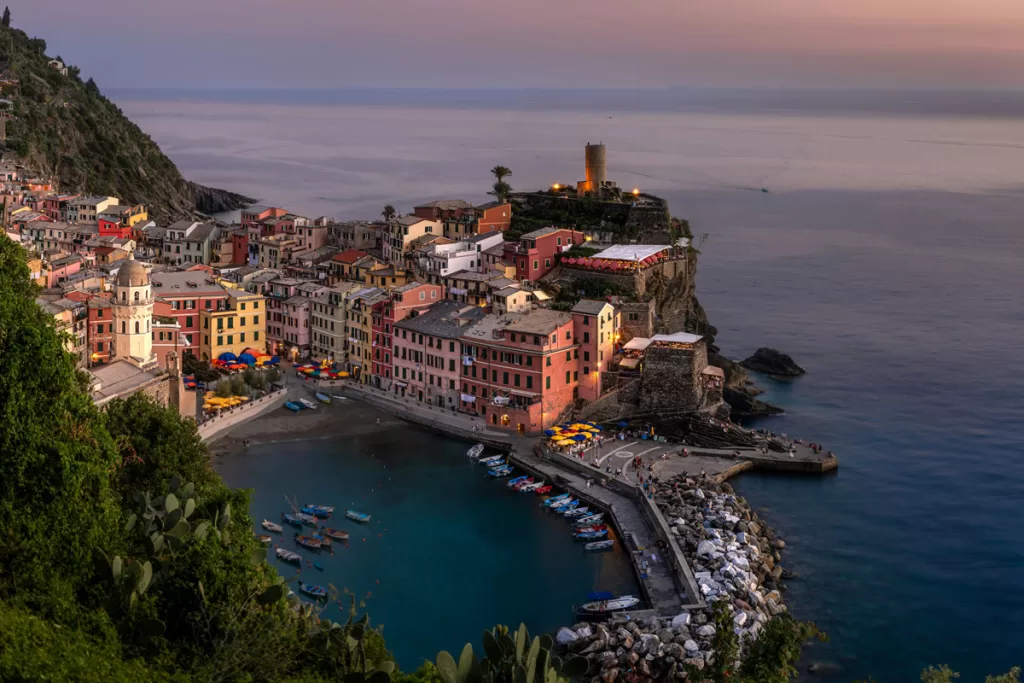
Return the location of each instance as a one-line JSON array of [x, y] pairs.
[[734, 557]]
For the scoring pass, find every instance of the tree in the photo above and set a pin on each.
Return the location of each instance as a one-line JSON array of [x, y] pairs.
[[7, 16], [501, 172], [388, 213], [500, 190]]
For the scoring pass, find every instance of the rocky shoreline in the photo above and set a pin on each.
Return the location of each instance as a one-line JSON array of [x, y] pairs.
[[735, 558]]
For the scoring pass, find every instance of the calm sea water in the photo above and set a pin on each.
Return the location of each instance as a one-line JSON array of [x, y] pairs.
[[448, 552], [888, 259]]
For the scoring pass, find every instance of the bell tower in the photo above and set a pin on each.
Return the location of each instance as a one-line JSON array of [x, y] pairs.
[[133, 315]]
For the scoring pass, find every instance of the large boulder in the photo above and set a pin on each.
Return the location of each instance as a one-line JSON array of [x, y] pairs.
[[566, 636], [772, 362]]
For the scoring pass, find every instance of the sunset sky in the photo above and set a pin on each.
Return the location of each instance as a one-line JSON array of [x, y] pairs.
[[543, 43]]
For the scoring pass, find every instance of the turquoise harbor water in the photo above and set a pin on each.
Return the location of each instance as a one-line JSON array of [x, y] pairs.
[[448, 552], [888, 259]]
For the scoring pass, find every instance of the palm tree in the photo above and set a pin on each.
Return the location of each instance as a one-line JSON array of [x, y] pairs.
[[500, 190], [501, 172], [388, 213]]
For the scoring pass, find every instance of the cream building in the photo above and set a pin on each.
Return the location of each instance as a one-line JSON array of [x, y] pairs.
[[132, 306]]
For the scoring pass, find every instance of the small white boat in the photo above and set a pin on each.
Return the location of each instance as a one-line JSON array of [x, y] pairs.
[[308, 404], [599, 545], [340, 398], [576, 512], [611, 605], [323, 398], [475, 451], [532, 487], [289, 556], [491, 460], [589, 520], [270, 526]]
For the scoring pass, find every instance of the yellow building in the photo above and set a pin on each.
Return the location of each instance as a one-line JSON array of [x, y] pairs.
[[386, 277], [359, 331], [241, 325]]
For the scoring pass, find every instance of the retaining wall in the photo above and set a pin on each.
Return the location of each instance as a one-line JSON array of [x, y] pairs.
[[217, 425]]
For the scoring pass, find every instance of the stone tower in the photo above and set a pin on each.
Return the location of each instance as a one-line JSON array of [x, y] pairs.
[[133, 315]]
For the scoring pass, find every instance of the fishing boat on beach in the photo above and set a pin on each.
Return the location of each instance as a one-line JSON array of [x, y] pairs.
[[313, 591], [606, 602], [589, 520], [576, 512], [292, 520], [475, 451], [323, 398], [591, 535], [335, 534], [270, 526], [548, 502], [288, 556], [293, 406], [357, 516], [308, 542], [307, 403], [599, 545]]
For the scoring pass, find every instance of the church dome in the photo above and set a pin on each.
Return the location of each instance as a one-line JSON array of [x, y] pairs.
[[132, 274]]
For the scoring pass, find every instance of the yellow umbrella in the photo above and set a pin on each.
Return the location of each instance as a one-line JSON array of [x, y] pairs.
[[342, 374], [586, 435], [565, 442]]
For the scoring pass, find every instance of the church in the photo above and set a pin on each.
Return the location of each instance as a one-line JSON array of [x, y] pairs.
[[134, 366]]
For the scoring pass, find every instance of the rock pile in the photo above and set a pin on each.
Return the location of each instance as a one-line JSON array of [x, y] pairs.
[[734, 556]]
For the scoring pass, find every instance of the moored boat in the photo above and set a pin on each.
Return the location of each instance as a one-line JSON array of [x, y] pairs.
[[475, 451], [315, 511], [517, 480], [324, 541], [306, 519], [293, 406], [318, 566], [530, 488], [292, 520], [265, 539], [288, 556], [548, 502], [336, 534], [595, 527], [307, 403], [609, 604], [357, 516], [323, 398], [522, 484], [313, 591], [564, 504], [599, 545], [308, 542], [492, 460], [340, 398], [541, 490], [590, 535], [499, 472], [576, 512], [589, 520], [270, 526], [326, 510]]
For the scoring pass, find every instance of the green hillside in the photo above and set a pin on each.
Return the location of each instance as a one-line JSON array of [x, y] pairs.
[[65, 128]]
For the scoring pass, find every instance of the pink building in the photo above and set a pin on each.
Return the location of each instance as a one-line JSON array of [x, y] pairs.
[[596, 329], [61, 269], [288, 304], [535, 254], [399, 304], [427, 353]]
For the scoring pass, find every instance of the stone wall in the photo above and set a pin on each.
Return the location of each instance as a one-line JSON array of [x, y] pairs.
[[671, 381], [221, 423], [637, 319]]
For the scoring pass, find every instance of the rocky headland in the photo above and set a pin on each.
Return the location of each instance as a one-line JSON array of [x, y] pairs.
[[735, 559], [772, 362]]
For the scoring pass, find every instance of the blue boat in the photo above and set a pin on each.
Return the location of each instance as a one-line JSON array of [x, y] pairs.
[[553, 500], [313, 591], [499, 472], [292, 519], [293, 406], [323, 398], [316, 511], [564, 504], [357, 516], [492, 461], [589, 520], [513, 482], [587, 535], [322, 510], [316, 565]]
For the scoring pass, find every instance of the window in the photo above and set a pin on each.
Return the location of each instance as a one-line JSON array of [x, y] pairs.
[[188, 321], [242, 321], [255, 336], [567, 376], [136, 296], [99, 346], [175, 305], [494, 375], [136, 327], [547, 382], [220, 340], [241, 337], [516, 380], [568, 355], [548, 363], [586, 337], [451, 365], [242, 307], [231, 323], [529, 381], [504, 378], [256, 321], [586, 355], [220, 323], [206, 323], [547, 263], [451, 347], [231, 339], [586, 320], [575, 375], [536, 265], [568, 335]]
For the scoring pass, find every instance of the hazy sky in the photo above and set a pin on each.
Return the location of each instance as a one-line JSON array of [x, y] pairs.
[[546, 43]]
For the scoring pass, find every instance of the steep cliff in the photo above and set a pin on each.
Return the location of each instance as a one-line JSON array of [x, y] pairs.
[[66, 129]]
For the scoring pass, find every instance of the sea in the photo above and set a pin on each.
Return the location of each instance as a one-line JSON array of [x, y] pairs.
[[877, 237]]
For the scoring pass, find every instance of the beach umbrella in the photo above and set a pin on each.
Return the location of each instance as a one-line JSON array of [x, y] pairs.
[[587, 435], [247, 358], [550, 432], [227, 356], [565, 442], [579, 437], [342, 374], [597, 428]]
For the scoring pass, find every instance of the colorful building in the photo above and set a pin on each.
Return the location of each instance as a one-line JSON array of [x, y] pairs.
[[398, 305], [398, 233], [596, 330], [427, 353], [240, 325], [535, 254], [189, 293]]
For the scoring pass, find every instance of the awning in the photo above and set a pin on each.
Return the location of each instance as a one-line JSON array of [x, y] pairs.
[[468, 398], [526, 394], [400, 383], [637, 344], [629, 363]]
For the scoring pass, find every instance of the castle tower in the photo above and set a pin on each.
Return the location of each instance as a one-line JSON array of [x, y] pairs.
[[596, 167], [133, 315]]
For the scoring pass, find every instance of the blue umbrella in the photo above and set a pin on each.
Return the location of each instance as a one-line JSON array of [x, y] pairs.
[[549, 432], [597, 427], [623, 424], [578, 437], [227, 356], [275, 360], [247, 358]]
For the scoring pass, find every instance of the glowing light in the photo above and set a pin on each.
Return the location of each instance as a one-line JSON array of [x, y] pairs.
[[556, 186], [588, 238], [636, 191]]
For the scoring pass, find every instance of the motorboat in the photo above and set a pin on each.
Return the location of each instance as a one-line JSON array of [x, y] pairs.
[[307, 519], [357, 516], [599, 545], [306, 403], [327, 510], [576, 512], [293, 406], [324, 541], [609, 604], [315, 511], [288, 556], [518, 480], [313, 591], [589, 520], [338, 397], [318, 566], [500, 472], [553, 500], [270, 526], [591, 535], [530, 488], [335, 534], [292, 520], [308, 542], [323, 398], [265, 539], [475, 451]]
